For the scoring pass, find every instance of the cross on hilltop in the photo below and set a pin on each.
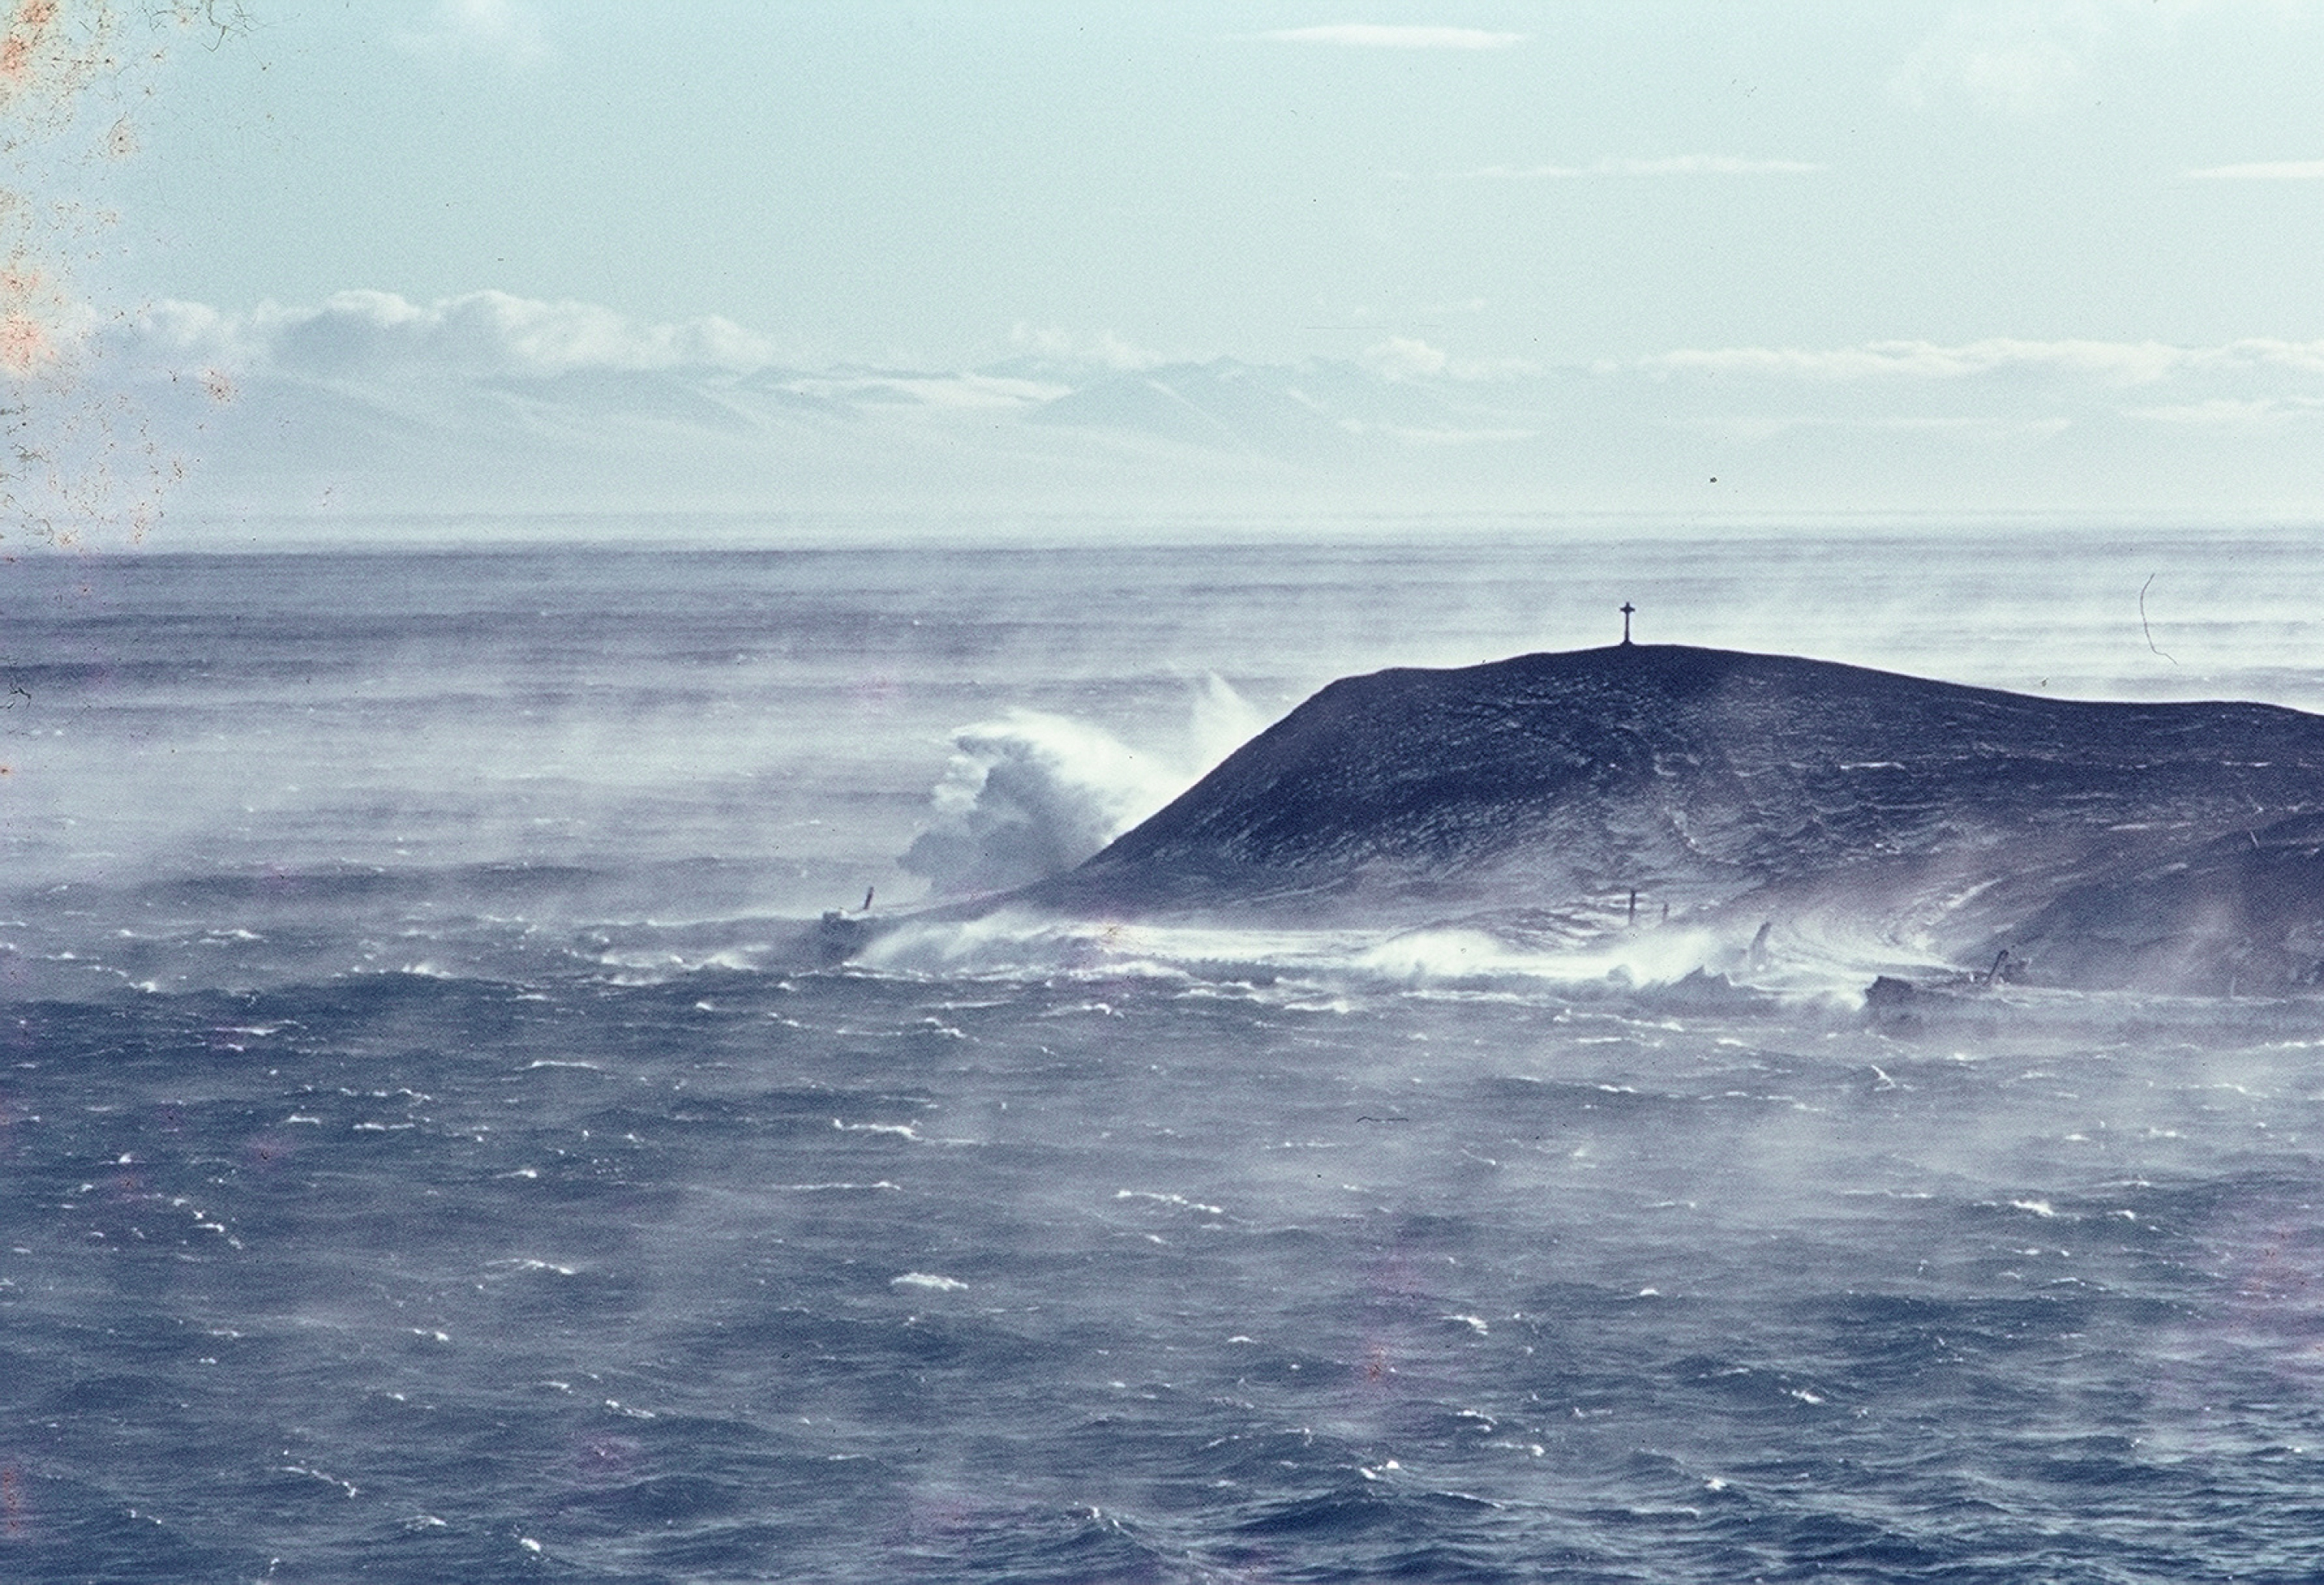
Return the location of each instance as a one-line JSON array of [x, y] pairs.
[[1627, 608]]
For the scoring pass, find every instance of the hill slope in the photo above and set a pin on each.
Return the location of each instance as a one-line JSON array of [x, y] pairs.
[[2100, 840]]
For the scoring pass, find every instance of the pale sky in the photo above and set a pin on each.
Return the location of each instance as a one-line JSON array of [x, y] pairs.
[[1556, 181], [2035, 211]]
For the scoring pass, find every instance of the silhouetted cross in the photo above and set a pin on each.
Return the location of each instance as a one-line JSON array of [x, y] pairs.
[[1626, 609]]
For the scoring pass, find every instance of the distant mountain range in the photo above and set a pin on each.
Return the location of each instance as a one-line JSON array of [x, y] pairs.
[[302, 425]]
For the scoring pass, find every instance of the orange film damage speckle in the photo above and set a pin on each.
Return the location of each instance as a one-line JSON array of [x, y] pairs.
[[24, 346], [33, 21], [47, 58], [78, 457]]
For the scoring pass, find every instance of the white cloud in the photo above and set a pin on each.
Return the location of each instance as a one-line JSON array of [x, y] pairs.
[[1377, 36], [1758, 429], [481, 333], [179, 327], [1105, 349], [420, 404], [2114, 363], [956, 392], [1407, 358], [2017, 60], [505, 32], [2305, 357], [1664, 165], [2263, 171], [379, 335], [2029, 58], [2120, 362], [1710, 166], [2228, 413]]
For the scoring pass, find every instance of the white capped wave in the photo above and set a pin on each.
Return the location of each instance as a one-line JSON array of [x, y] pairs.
[[1454, 958], [928, 1282], [1031, 794], [1177, 1200], [900, 1130]]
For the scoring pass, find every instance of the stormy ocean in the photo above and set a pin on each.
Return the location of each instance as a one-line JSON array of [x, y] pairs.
[[425, 1154]]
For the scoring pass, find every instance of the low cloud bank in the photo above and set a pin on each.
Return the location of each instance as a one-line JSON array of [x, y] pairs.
[[381, 334], [486, 404]]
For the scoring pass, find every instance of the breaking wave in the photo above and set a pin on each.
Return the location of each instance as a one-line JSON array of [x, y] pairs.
[[1031, 794]]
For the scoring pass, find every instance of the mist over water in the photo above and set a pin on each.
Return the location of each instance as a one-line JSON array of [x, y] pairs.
[[1031, 795], [426, 1158]]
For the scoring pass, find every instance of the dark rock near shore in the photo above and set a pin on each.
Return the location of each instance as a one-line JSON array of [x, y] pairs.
[[2172, 847]]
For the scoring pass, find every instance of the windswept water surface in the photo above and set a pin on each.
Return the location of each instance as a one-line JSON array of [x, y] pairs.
[[422, 1164]]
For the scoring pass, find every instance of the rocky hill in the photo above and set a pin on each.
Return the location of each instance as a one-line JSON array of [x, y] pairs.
[[2171, 846]]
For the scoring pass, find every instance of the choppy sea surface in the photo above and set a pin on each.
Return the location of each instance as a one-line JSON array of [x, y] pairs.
[[423, 1156]]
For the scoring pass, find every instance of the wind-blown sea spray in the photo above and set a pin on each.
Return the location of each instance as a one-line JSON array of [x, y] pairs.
[[423, 1167], [1030, 794]]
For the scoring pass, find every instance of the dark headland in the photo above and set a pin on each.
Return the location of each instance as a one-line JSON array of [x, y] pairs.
[[2167, 847]]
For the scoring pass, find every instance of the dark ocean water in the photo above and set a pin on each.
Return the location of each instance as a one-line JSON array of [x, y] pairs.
[[422, 1160]]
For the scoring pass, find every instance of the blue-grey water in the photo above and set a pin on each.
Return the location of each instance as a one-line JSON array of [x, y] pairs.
[[422, 1158]]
